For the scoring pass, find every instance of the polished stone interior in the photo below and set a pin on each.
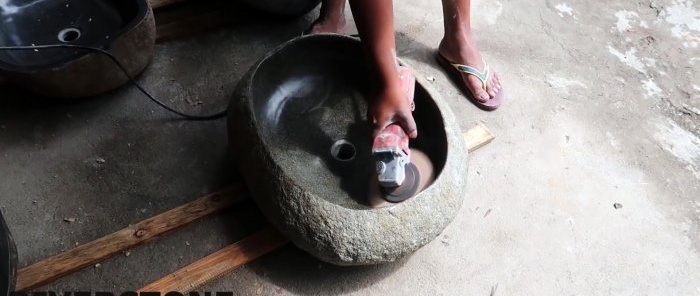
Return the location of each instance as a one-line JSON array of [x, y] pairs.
[[40, 22], [313, 94]]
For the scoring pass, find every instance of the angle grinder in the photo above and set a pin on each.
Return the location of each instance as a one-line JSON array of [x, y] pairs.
[[397, 176], [399, 179]]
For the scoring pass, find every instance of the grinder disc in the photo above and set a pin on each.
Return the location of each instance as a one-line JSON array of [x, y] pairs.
[[407, 189], [421, 164]]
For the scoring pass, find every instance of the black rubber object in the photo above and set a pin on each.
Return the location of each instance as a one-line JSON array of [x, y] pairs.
[[8, 260], [408, 189]]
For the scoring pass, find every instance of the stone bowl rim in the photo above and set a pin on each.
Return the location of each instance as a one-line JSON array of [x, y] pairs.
[[143, 7], [420, 81]]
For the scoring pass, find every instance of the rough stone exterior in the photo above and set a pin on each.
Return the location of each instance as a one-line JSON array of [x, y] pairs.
[[334, 233]]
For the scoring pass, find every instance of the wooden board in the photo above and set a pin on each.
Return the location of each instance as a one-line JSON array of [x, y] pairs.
[[228, 259], [197, 273], [477, 137], [58, 266], [219, 263]]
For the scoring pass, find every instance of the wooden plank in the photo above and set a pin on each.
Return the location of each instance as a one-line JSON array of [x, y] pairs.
[[156, 4], [196, 274], [219, 263], [58, 266], [228, 259], [477, 137]]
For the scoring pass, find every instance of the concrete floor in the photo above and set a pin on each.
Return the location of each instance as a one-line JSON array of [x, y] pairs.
[[603, 107]]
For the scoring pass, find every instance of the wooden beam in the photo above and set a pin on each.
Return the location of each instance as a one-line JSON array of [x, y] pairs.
[[196, 274], [228, 259], [219, 263], [477, 137], [53, 268]]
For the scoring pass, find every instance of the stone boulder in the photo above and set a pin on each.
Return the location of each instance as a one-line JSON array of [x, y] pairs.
[[287, 115]]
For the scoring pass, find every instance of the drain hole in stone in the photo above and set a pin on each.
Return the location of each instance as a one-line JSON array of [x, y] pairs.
[[342, 150], [69, 35]]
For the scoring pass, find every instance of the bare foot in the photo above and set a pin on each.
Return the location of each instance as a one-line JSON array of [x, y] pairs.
[[332, 25], [331, 18], [461, 49]]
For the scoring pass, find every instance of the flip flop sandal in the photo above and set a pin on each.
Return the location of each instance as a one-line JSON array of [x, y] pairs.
[[456, 70]]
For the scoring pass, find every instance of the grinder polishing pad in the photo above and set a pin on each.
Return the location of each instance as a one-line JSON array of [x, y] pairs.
[[407, 189], [421, 167]]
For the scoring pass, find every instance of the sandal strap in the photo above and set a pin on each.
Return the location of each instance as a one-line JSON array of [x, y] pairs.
[[482, 76]]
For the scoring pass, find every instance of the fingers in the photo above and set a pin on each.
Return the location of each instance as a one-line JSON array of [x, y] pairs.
[[404, 119], [393, 105], [408, 124], [379, 120], [379, 127]]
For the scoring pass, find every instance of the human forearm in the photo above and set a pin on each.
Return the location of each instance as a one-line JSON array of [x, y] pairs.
[[375, 23]]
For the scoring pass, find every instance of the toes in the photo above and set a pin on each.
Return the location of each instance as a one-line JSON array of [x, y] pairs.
[[482, 96], [492, 92], [494, 86], [476, 87], [496, 82]]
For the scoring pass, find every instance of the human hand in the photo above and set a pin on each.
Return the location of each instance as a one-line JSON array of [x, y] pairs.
[[394, 104]]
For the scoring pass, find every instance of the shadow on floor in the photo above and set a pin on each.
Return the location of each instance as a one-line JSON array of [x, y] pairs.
[[21, 112]]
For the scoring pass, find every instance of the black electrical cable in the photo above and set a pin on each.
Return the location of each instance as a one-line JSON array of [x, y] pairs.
[[217, 115]]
